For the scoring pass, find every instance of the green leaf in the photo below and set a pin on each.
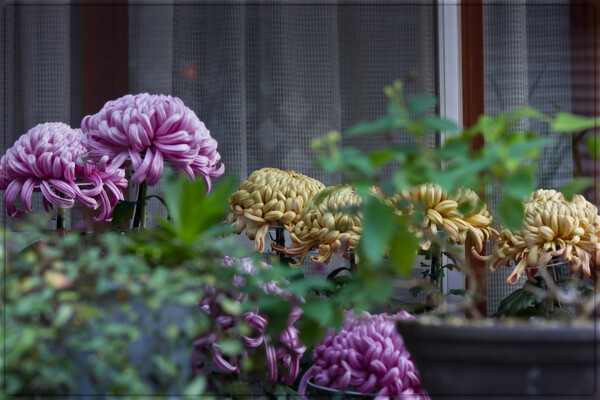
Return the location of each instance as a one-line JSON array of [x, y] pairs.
[[165, 365], [519, 149], [519, 302], [310, 331], [575, 186], [565, 122], [527, 112], [520, 184], [466, 292], [318, 310], [196, 387], [436, 123], [381, 156], [282, 392], [122, 212], [403, 251], [192, 211], [383, 124], [421, 102], [510, 212], [378, 229], [64, 313], [230, 346], [593, 145]]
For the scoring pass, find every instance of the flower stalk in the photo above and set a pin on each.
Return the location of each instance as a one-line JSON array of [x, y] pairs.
[[139, 213]]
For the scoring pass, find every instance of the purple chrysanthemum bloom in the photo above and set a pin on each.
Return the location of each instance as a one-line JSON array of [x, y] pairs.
[[149, 130], [45, 156], [283, 357], [367, 355]]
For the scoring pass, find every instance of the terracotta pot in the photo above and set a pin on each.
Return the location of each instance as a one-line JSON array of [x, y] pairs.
[[509, 358]]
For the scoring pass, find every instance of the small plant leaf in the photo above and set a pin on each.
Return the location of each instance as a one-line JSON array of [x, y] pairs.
[[520, 184], [378, 230], [575, 186], [565, 122], [593, 145], [122, 212], [510, 212], [383, 124], [421, 102], [436, 123], [403, 251]]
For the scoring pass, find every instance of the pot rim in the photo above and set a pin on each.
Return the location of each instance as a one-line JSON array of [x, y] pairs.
[[348, 392]]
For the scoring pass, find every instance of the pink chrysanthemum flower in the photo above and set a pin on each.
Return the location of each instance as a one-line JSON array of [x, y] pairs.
[[283, 357], [367, 356], [149, 130], [45, 156]]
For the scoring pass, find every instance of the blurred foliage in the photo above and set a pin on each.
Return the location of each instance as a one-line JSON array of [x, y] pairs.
[[116, 313], [508, 157]]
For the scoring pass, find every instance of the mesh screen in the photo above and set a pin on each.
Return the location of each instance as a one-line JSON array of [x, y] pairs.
[[267, 79], [527, 63], [41, 70]]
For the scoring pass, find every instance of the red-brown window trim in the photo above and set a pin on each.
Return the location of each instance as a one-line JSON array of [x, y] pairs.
[[471, 30]]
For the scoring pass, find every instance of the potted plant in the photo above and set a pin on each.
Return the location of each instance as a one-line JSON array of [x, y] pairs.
[[458, 356]]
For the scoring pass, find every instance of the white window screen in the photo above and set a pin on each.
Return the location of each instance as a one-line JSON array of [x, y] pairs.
[[527, 62], [41, 48], [267, 79]]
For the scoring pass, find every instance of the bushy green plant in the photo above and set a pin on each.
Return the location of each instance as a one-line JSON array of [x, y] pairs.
[[508, 159]]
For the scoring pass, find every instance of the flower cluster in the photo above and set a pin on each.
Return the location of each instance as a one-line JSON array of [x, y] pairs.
[[329, 222], [149, 130], [45, 157], [553, 228], [444, 210], [368, 356], [267, 198], [282, 357]]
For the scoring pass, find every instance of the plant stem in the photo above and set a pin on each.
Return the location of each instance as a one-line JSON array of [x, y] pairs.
[[139, 213], [280, 240], [60, 219]]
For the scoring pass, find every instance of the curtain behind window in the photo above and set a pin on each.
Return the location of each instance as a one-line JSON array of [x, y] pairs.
[[267, 79], [527, 62], [41, 68]]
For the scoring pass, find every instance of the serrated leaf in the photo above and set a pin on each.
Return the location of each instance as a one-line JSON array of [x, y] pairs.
[[575, 186], [566, 122], [510, 212], [403, 251], [421, 102]]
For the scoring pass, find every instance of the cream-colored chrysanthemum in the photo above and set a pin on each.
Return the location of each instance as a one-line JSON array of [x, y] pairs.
[[553, 228], [443, 210], [330, 222], [268, 197]]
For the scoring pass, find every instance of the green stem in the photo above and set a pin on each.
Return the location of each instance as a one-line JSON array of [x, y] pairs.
[[139, 214], [60, 219]]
